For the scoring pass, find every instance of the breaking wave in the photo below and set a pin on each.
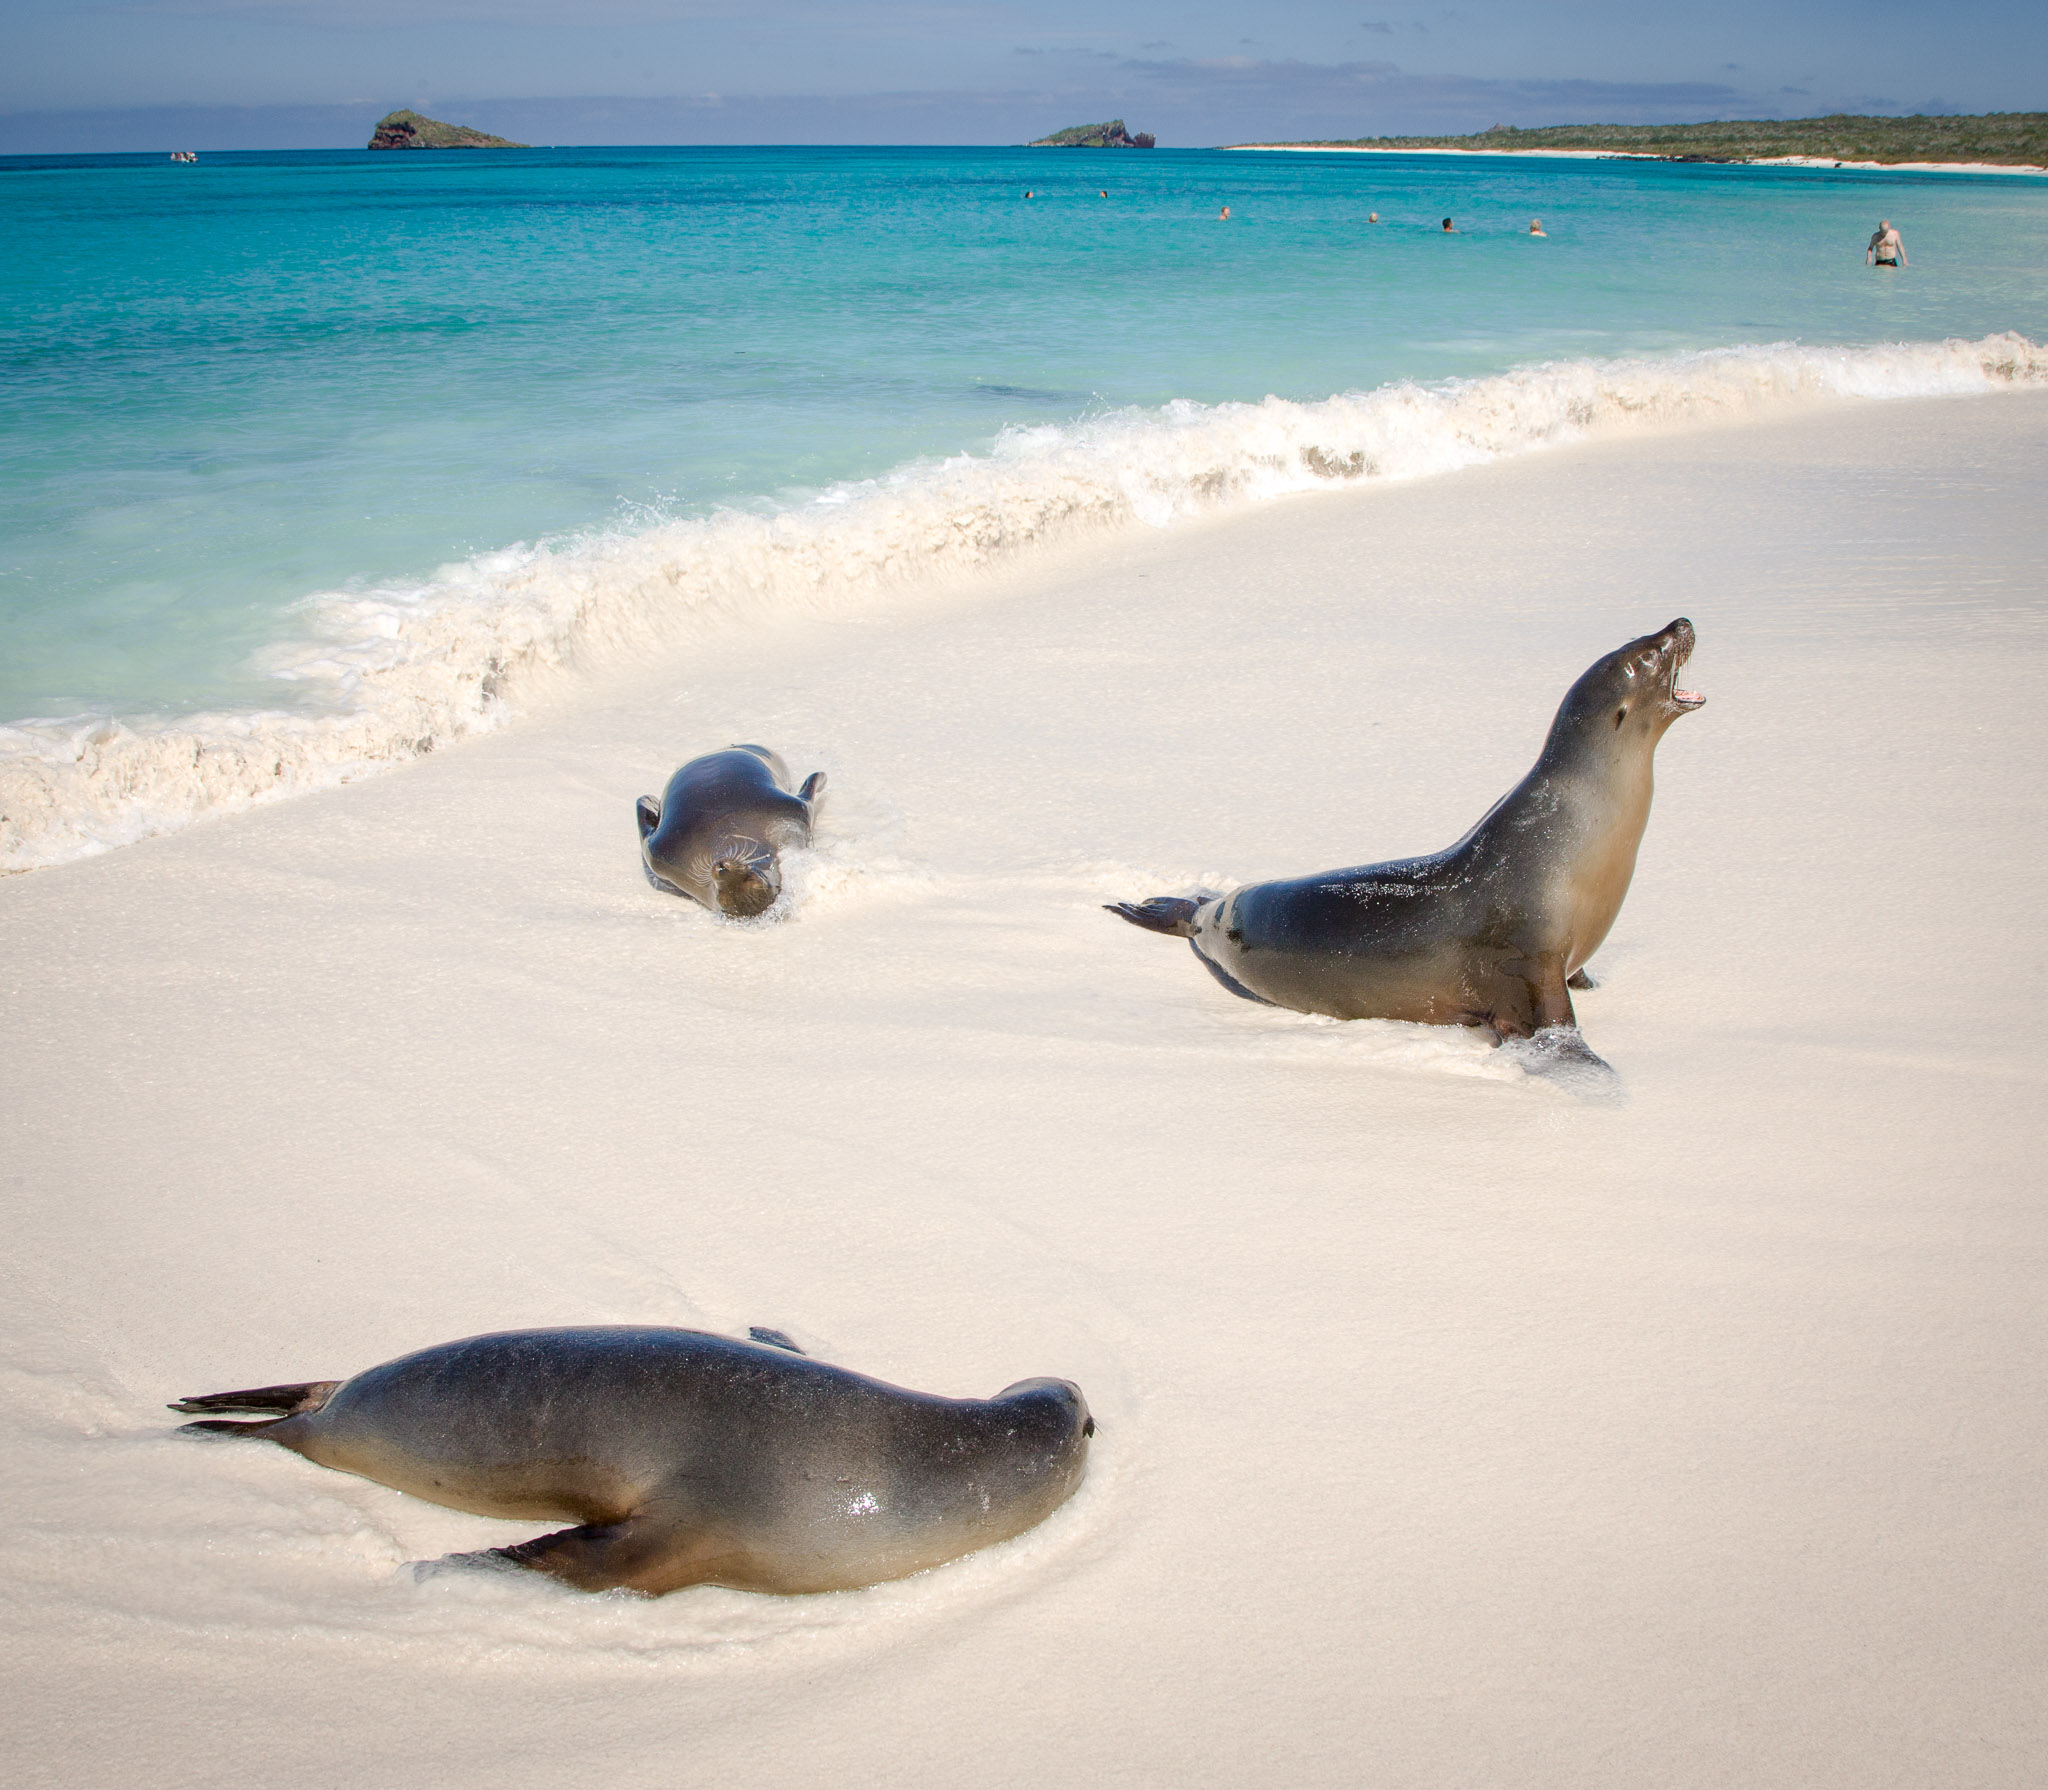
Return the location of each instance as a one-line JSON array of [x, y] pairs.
[[386, 675]]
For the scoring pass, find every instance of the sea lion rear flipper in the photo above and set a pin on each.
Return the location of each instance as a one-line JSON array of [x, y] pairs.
[[222, 1426], [639, 1554], [286, 1401], [648, 811], [1173, 915], [814, 787], [775, 1339]]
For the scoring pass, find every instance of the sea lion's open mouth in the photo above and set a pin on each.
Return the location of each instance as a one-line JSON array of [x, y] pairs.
[[1683, 639]]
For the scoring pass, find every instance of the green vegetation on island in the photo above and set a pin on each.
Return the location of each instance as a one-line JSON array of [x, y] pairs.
[[2013, 139], [1095, 136], [408, 130]]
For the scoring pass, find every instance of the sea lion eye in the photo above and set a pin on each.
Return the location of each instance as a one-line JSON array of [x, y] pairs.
[[1621, 714]]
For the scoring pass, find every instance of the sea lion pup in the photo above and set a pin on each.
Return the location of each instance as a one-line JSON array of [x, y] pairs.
[[1492, 931], [686, 1458], [719, 830]]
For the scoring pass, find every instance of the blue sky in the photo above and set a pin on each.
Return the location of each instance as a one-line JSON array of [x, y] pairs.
[[996, 70]]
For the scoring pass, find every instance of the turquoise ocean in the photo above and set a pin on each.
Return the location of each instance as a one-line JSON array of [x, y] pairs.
[[306, 459]]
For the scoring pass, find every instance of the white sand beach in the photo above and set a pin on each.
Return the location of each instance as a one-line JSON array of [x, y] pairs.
[[1459, 1428], [1642, 155], [1825, 161]]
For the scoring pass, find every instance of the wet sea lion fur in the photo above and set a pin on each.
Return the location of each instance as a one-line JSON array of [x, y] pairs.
[[721, 826]]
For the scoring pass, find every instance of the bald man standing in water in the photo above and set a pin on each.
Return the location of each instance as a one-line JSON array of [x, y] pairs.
[[1887, 247]]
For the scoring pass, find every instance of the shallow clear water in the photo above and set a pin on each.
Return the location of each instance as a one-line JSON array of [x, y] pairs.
[[231, 386]]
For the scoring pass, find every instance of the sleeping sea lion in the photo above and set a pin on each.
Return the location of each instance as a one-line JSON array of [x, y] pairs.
[[687, 1458], [1492, 932], [719, 830]]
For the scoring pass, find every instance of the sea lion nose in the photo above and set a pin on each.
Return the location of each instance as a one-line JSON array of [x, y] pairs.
[[1682, 636]]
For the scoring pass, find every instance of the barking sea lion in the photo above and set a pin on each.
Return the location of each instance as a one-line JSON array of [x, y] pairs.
[[686, 1458], [1492, 932]]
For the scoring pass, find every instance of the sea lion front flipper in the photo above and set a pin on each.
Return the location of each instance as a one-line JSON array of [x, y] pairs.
[[814, 787], [648, 811], [1550, 1000], [1581, 979], [1553, 1044], [1222, 975], [1526, 995], [1561, 1053], [639, 1554]]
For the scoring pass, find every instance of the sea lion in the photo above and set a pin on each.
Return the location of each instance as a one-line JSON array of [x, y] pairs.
[[719, 830], [687, 1458], [1493, 931]]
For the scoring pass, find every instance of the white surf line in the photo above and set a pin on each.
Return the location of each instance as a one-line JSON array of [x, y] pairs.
[[409, 669]]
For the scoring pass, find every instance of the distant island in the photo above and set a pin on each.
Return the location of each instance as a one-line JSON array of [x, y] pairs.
[[408, 130], [1993, 139], [1095, 136]]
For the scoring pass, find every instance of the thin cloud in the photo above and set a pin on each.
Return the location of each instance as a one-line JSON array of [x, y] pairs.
[[1184, 101], [1381, 98]]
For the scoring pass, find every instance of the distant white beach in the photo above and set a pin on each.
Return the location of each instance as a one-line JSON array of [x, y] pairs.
[[1639, 155]]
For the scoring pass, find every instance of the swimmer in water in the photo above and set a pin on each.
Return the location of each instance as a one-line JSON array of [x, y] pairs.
[[1372, 217], [1448, 229], [1887, 247], [1536, 227], [1224, 213], [1105, 193]]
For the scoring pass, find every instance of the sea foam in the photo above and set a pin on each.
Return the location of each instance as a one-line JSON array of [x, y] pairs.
[[385, 675]]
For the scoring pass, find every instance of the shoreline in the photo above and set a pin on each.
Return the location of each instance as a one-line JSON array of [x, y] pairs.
[[410, 670], [1675, 1439], [1646, 155]]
